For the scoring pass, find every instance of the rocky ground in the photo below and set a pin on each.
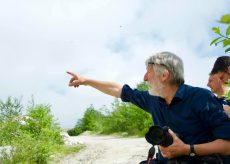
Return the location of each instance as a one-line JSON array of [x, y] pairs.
[[107, 150]]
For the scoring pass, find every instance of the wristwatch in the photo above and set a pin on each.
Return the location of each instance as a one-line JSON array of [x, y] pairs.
[[192, 152]]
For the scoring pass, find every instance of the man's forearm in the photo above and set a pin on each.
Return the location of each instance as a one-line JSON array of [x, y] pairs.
[[109, 88], [218, 146]]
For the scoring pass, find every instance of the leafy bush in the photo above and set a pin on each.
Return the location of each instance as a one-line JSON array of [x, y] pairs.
[[78, 129], [34, 136], [42, 125], [127, 117], [31, 150], [10, 112], [92, 120]]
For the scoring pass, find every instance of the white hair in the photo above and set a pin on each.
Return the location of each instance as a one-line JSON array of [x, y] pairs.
[[169, 61]]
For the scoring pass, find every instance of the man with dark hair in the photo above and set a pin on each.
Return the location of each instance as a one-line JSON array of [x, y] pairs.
[[222, 64], [218, 79], [197, 122]]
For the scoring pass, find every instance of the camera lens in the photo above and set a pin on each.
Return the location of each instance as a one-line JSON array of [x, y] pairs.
[[159, 136]]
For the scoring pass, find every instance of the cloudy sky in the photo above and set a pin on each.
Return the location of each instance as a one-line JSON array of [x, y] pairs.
[[103, 39]]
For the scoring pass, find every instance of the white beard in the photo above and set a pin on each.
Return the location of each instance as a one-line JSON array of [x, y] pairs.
[[155, 89]]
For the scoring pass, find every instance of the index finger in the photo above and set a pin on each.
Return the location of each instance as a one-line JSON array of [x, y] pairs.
[[70, 73]]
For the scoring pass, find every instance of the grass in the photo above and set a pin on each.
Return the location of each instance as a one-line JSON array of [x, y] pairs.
[[64, 151]]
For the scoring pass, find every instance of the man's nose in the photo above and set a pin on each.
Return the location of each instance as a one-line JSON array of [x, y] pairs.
[[209, 81], [146, 77], [208, 84]]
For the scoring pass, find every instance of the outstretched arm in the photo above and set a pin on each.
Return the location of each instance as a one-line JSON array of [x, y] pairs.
[[109, 88]]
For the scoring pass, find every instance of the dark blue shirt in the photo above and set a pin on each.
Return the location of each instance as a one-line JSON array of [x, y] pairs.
[[223, 101], [194, 114]]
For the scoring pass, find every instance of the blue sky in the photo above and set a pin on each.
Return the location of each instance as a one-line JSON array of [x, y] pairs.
[[103, 39]]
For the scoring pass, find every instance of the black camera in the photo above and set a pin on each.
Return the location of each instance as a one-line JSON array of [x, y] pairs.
[[159, 136]]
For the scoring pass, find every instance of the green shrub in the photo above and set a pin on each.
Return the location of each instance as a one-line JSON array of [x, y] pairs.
[[34, 136], [42, 125], [127, 117], [92, 120], [75, 131], [31, 150]]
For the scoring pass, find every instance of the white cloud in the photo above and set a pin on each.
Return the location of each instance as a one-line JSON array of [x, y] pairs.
[[107, 40]]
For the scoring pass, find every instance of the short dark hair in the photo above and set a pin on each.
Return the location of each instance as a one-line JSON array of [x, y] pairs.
[[221, 64]]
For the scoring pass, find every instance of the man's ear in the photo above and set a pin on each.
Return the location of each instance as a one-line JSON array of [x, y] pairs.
[[221, 77], [165, 76], [224, 77]]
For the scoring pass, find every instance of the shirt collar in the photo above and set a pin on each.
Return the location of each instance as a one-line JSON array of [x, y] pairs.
[[180, 92], [178, 96]]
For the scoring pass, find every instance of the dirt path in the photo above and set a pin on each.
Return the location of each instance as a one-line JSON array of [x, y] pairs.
[[108, 150]]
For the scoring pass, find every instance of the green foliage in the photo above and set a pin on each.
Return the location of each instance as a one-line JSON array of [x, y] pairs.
[[10, 109], [75, 131], [63, 150], [142, 86], [10, 125], [124, 118], [42, 125], [31, 150], [34, 136], [223, 38], [68, 150], [9, 130], [227, 96], [225, 19], [128, 118], [91, 119]]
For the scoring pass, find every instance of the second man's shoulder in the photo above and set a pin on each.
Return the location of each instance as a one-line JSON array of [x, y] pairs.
[[197, 91]]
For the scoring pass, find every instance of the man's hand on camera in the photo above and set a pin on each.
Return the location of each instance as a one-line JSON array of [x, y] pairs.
[[178, 148]]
